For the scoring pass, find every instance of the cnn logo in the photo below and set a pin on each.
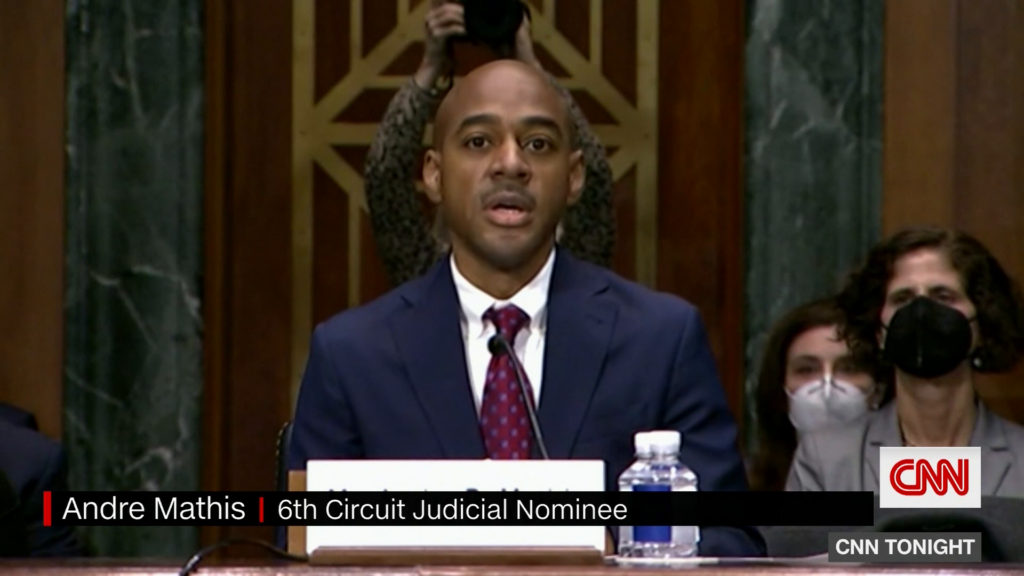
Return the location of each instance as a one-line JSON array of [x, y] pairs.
[[930, 477]]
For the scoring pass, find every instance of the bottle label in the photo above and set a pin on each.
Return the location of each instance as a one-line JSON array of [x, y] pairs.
[[652, 533]]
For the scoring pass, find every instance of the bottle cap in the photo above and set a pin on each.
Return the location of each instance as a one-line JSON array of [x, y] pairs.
[[664, 441], [642, 442]]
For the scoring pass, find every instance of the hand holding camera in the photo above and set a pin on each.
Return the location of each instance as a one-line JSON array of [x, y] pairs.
[[524, 44], [444, 21], [502, 25]]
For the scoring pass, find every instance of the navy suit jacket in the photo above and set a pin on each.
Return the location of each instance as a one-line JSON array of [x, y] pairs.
[[34, 464], [388, 380]]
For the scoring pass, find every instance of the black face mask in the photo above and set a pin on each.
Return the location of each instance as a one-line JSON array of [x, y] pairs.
[[927, 339]]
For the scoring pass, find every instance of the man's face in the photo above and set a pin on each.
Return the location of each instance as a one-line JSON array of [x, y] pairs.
[[503, 169]]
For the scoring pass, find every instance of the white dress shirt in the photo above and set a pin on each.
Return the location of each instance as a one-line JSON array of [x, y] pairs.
[[529, 344]]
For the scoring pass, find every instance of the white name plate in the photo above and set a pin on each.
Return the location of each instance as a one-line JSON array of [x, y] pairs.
[[454, 476]]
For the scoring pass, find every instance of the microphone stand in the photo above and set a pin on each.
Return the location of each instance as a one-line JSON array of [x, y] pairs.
[[498, 345]]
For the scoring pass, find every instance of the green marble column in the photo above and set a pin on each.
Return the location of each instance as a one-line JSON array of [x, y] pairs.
[[813, 153], [133, 373]]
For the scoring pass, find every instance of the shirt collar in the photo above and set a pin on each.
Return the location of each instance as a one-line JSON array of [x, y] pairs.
[[532, 299]]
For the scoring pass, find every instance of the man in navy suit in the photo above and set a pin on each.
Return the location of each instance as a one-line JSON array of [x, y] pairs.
[[410, 376]]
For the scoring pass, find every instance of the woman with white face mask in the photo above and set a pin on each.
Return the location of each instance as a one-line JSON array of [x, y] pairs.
[[825, 385], [809, 381]]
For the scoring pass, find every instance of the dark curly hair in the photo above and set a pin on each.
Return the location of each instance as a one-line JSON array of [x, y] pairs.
[[1000, 308], [776, 437]]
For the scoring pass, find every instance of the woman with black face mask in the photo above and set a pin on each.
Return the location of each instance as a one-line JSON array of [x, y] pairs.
[[935, 308]]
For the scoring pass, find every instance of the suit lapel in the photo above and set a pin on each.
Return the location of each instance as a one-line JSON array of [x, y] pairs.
[[579, 327], [430, 341], [995, 451], [883, 430]]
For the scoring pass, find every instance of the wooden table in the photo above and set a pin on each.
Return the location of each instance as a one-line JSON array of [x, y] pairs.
[[276, 568]]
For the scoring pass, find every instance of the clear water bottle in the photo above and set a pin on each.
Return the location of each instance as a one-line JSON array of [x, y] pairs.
[[658, 469]]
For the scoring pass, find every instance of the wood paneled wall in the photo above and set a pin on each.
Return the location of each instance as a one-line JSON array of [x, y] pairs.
[[247, 287], [32, 208], [679, 207], [700, 192], [954, 133]]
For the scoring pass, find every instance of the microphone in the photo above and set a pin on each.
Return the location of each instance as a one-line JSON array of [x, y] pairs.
[[497, 346]]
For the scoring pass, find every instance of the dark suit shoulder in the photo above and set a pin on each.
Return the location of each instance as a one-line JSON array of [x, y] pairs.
[[25, 453], [17, 416], [368, 319], [639, 299], [35, 464]]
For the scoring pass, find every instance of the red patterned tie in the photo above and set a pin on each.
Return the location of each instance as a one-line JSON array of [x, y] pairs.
[[503, 417]]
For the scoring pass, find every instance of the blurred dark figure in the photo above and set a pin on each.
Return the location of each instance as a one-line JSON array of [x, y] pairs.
[[31, 464], [13, 532]]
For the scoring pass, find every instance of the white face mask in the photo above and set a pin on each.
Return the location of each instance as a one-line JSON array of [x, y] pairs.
[[825, 403]]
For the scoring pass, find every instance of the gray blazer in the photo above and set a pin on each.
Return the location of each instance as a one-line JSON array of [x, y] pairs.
[[846, 459]]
